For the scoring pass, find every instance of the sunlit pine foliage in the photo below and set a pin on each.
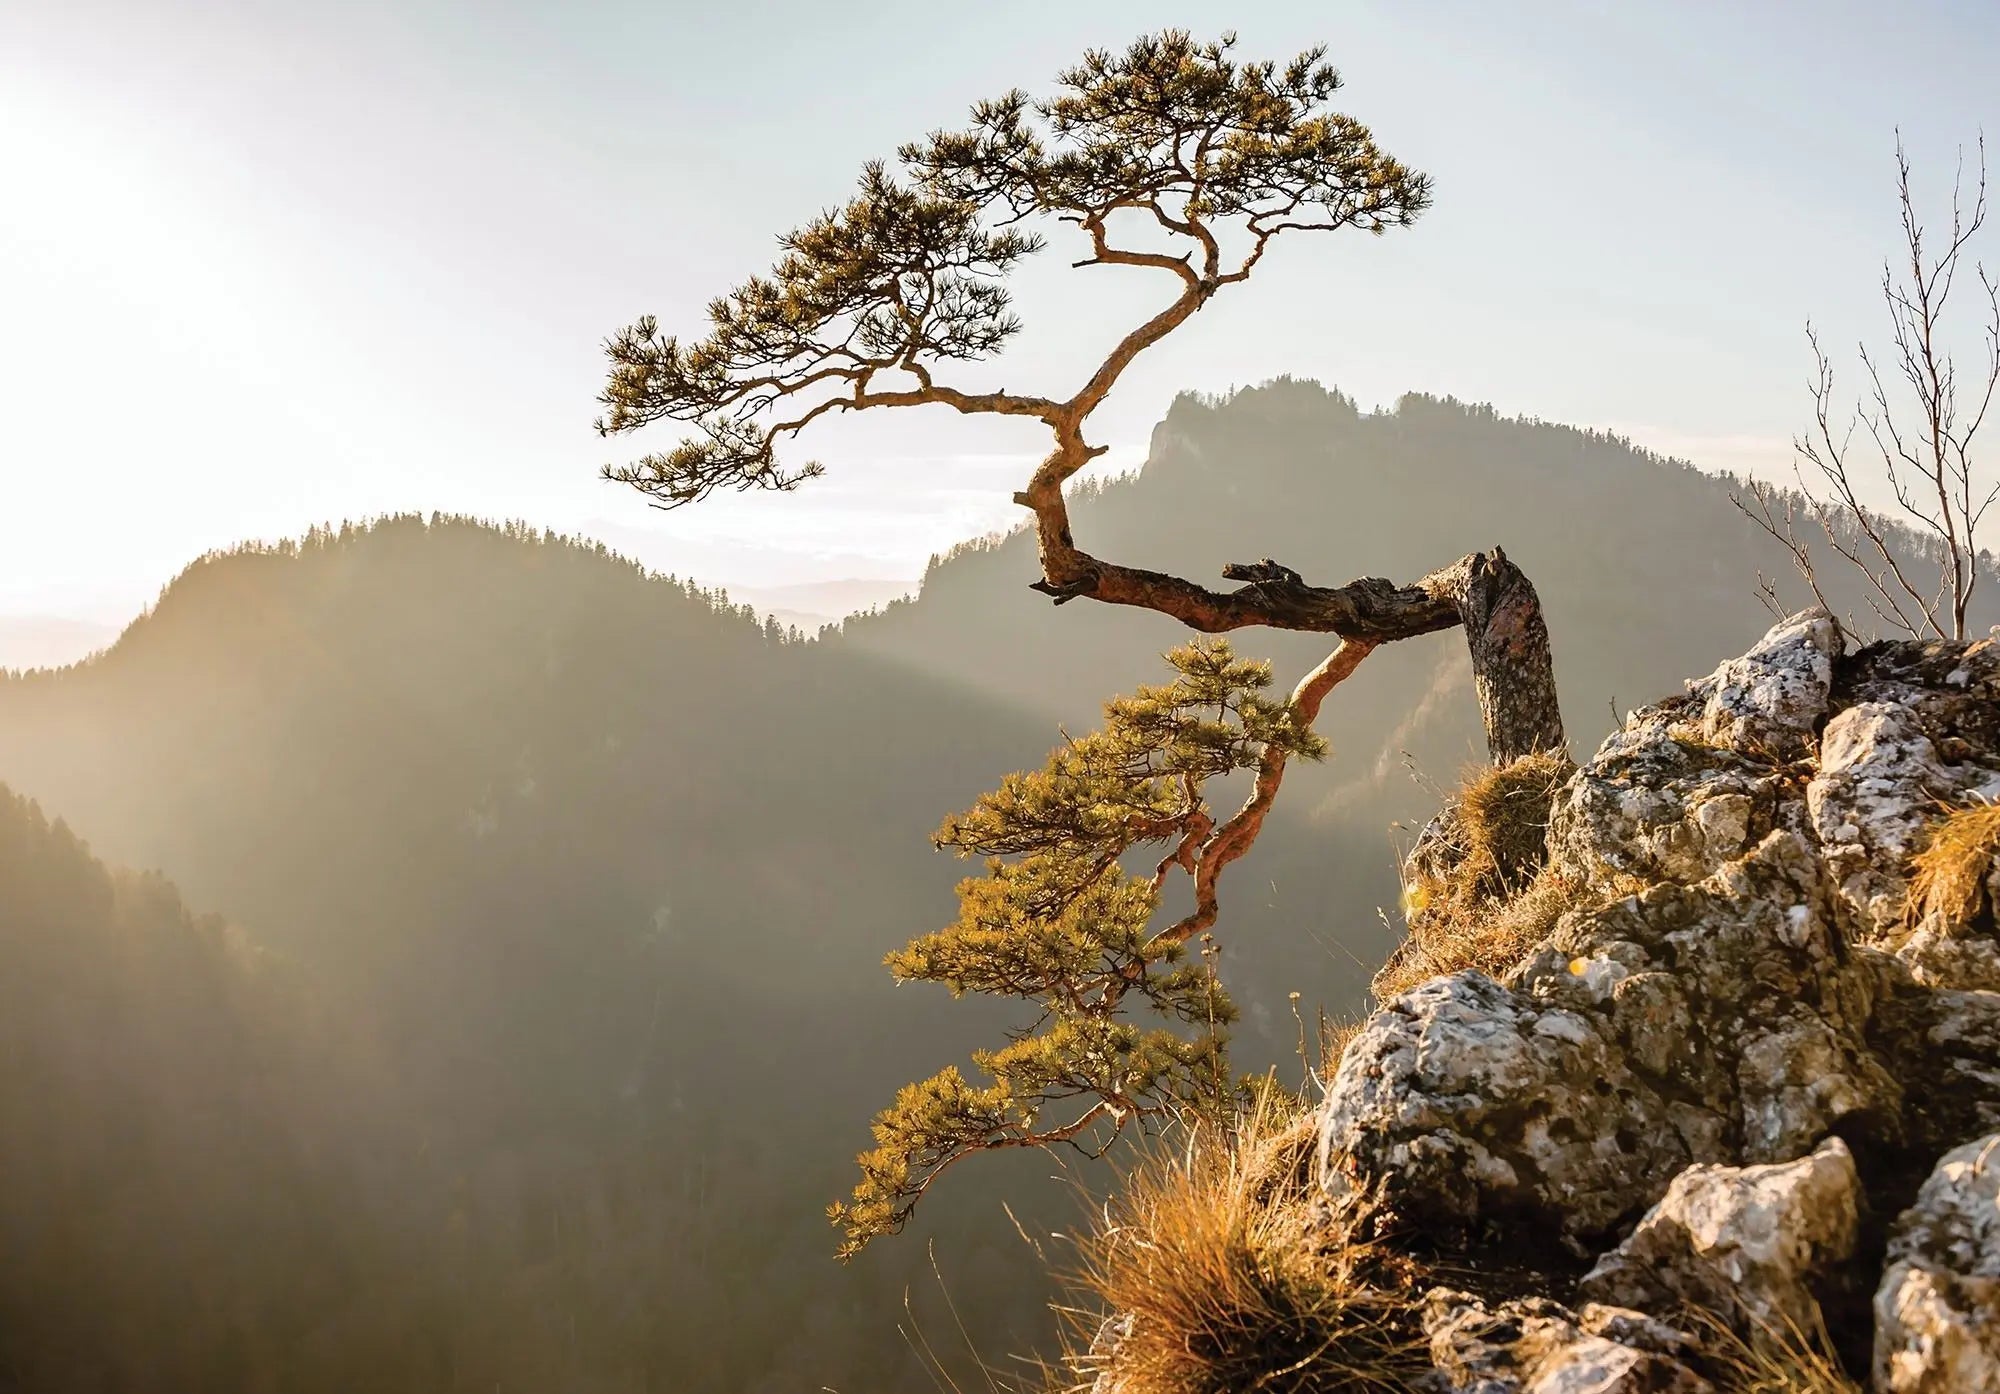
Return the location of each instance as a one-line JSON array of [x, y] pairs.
[[1058, 920], [1171, 154]]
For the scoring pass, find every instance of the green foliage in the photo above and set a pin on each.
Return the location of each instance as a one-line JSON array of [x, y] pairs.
[[909, 276], [1064, 925], [1172, 118], [896, 276]]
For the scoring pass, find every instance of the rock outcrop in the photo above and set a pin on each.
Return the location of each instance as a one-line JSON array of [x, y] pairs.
[[1719, 1081], [1937, 1312], [1538, 1345], [1746, 1242]]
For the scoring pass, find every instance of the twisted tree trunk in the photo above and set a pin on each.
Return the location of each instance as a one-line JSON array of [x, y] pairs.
[[1485, 593], [1513, 672]]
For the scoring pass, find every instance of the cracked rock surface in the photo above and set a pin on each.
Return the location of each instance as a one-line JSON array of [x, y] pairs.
[[1535, 1346], [1715, 1023], [1721, 1075], [1937, 1312], [1748, 1243]]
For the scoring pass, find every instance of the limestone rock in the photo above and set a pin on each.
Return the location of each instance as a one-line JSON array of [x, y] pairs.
[[1535, 1346], [1658, 803], [1759, 1014], [1747, 1243], [1690, 783], [1719, 1022], [1470, 1102], [1945, 1045], [1725, 1053], [1953, 690], [1771, 699], [1946, 956], [1881, 782], [1937, 1312]]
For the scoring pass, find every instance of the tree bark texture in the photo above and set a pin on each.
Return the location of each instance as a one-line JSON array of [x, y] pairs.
[[1485, 593], [1513, 671]]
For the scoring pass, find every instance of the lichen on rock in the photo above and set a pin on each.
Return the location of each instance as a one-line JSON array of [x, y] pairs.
[[1719, 1022], [1937, 1311], [1746, 1243], [1701, 1103], [1472, 1103], [1712, 1076], [1881, 783], [1772, 698], [1536, 1346]]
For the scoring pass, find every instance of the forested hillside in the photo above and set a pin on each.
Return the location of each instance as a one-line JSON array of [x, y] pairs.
[[1645, 567], [553, 1008], [595, 875], [176, 1212]]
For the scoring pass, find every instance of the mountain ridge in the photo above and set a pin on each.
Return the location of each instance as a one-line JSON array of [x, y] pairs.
[[605, 866]]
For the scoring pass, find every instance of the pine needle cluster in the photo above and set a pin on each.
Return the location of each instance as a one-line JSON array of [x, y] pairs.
[[1170, 154], [1059, 920]]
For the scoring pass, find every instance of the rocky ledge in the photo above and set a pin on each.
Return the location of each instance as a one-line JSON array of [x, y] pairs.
[[1750, 1081]]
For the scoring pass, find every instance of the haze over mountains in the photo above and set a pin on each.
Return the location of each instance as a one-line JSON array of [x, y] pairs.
[[50, 641], [549, 1007], [811, 605], [29, 640], [593, 869]]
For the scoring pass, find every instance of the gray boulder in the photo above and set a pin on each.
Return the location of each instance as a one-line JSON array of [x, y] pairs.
[[1747, 1243], [1937, 1311]]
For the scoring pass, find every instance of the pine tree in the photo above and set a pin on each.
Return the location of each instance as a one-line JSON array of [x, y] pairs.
[[1175, 158], [1058, 920]]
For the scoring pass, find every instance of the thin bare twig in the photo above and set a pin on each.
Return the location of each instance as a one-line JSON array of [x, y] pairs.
[[1924, 454]]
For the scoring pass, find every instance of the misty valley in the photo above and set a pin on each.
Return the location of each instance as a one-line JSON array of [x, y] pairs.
[[1319, 887], [501, 1001]]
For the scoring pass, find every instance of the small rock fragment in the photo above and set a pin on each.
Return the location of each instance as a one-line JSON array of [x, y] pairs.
[[1746, 1243], [1534, 1346]]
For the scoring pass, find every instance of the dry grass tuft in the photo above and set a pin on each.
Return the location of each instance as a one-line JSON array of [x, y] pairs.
[[1502, 816], [1233, 1277], [1490, 935], [1786, 1361], [1334, 1038], [1949, 884], [1481, 895]]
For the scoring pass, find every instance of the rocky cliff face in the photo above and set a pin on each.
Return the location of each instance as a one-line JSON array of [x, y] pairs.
[[1753, 1074]]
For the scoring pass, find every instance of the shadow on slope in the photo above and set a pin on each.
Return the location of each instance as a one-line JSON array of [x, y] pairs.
[[600, 873]]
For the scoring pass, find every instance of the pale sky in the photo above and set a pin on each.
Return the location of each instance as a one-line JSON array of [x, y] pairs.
[[269, 264]]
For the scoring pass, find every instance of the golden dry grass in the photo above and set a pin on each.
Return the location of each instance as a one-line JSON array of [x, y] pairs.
[[1334, 1038], [1502, 816], [1494, 898], [1234, 1280], [1948, 887], [1490, 935], [1771, 1361]]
